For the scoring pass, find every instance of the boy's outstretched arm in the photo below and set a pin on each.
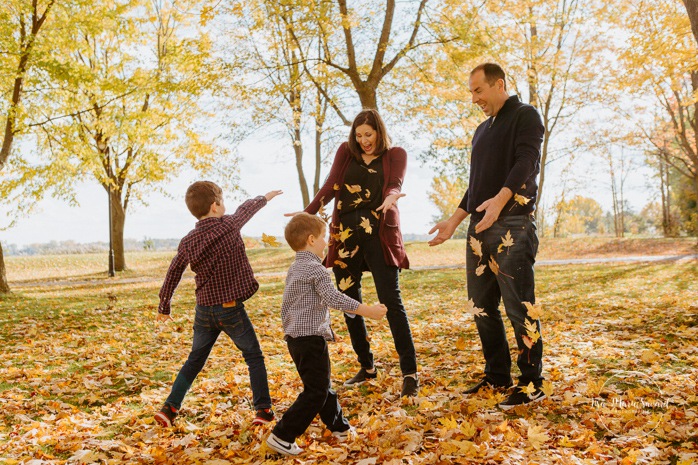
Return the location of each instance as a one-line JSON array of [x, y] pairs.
[[248, 208], [375, 312]]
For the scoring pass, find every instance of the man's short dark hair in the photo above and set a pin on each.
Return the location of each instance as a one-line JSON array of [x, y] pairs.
[[302, 226], [201, 195], [493, 73]]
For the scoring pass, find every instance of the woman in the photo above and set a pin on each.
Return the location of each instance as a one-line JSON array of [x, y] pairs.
[[365, 182]]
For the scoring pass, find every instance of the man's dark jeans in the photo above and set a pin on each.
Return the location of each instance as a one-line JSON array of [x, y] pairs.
[[312, 360], [386, 279], [513, 284], [208, 324]]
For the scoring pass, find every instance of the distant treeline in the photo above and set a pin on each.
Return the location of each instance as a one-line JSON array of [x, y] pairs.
[[72, 247]]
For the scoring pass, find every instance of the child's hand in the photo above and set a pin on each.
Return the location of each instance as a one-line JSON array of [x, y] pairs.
[[292, 213], [272, 194], [162, 318], [376, 312]]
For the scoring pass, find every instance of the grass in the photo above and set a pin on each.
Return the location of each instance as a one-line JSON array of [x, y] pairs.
[[83, 371]]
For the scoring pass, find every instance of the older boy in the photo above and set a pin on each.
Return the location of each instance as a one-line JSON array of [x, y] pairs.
[[305, 315], [216, 253]]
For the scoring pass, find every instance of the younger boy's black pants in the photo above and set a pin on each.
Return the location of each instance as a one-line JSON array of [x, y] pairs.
[[312, 360]]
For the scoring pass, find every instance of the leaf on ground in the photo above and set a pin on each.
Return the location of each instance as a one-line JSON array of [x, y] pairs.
[[537, 436]]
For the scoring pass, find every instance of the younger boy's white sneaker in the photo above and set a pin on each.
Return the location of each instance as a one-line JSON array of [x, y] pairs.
[[343, 436], [283, 447]]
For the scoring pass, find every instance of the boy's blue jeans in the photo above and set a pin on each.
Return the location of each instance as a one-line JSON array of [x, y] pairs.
[[513, 284], [208, 324]]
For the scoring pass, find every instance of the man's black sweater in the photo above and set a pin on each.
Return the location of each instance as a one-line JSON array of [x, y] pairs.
[[506, 153]]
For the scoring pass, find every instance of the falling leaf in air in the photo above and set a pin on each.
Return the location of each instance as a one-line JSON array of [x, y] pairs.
[[537, 437], [480, 269], [342, 253], [494, 266], [547, 388], [270, 241], [353, 189], [473, 310], [476, 246], [507, 241], [366, 225], [372, 171], [368, 194], [532, 331], [336, 187], [345, 283], [340, 263], [344, 234], [534, 311], [357, 201], [339, 205], [521, 200], [377, 215]]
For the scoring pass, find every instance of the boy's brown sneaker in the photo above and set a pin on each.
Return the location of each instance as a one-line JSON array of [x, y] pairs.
[[264, 416], [165, 417]]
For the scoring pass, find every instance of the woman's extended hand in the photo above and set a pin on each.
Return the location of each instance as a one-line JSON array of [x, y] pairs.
[[389, 202], [270, 195]]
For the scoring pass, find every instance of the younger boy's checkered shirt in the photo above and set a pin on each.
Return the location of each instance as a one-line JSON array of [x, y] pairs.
[[308, 296]]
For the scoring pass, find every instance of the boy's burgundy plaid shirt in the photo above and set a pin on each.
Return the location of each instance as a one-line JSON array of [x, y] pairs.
[[216, 253]]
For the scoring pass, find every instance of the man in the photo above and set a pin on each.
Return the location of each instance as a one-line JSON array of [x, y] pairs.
[[502, 240]]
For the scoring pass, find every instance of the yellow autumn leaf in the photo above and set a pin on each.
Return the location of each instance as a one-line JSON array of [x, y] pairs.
[[461, 344], [537, 437], [534, 311], [521, 200], [336, 187], [340, 264], [449, 423], [547, 388], [529, 389], [507, 241], [339, 205], [366, 225], [357, 201], [368, 194], [476, 246], [342, 253], [532, 331], [377, 215], [270, 241], [480, 269], [494, 266], [344, 234], [345, 283], [473, 310], [353, 189]]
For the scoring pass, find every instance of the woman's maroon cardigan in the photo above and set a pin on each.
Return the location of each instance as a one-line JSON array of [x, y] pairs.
[[394, 167]]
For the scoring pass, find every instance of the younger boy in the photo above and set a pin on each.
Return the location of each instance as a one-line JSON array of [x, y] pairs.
[[308, 295], [216, 253]]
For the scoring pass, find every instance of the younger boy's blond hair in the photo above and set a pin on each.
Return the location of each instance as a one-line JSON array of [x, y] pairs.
[[301, 227]]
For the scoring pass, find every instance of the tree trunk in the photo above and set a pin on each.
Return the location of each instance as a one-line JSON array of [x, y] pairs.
[[298, 149], [543, 161], [692, 10], [368, 97], [4, 286], [118, 221]]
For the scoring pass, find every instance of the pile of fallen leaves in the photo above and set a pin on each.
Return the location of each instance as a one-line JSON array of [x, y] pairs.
[[84, 368]]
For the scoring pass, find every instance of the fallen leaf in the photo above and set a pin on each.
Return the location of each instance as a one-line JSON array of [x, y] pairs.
[[537, 437]]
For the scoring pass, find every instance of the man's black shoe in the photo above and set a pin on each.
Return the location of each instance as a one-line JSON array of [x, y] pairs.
[[487, 383]]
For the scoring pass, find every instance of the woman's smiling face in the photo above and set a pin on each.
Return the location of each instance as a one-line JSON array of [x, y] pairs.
[[366, 137]]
